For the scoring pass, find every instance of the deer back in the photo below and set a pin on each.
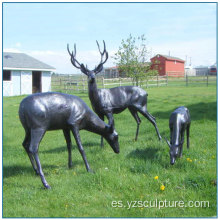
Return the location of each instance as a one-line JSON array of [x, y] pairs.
[[52, 110]]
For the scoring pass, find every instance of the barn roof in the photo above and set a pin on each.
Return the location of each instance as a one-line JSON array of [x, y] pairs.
[[22, 61], [170, 57]]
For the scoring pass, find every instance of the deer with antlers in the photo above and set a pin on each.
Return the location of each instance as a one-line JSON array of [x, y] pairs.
[[106, 102]]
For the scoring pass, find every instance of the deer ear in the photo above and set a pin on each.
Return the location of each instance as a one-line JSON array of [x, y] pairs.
[[84, 69], [99, 68], [168, 142]]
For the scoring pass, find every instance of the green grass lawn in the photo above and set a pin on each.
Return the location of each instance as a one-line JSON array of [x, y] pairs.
[[119, 179]]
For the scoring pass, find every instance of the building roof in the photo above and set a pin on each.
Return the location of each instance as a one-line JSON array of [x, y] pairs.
[[170, 57], [22, 61]]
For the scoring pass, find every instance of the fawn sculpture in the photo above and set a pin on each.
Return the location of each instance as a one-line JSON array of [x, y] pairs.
[[42, 112], [106, 102], [179, 123]]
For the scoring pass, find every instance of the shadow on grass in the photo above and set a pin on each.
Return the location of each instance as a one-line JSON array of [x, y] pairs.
[[197, 111], [152, 159], [64, 148], [144, 154], [55, 150], [15, 170], [92, 143]]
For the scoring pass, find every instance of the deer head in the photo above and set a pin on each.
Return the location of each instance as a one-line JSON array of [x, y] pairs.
[[174, 151], [90, 73]]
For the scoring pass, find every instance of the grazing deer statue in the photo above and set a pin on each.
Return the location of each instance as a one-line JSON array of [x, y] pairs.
[[106, 102], [178, 123], [42, 112]]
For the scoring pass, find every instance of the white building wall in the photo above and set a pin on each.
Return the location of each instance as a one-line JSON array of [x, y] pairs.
[[21, 83], [7, 88], [26, 82], [46, 81], [190, 72], [16, 82]]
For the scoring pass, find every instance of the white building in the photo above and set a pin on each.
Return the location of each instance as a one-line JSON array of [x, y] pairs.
[[23, 74], [190, 71]]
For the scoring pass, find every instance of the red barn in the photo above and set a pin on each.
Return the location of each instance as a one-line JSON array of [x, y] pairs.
[[172, 66]]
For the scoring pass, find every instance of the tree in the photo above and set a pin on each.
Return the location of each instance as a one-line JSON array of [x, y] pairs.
[[132, 57]]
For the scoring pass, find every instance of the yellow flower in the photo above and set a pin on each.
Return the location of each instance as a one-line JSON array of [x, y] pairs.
[[162, 187], [188, 159], [156, 177]]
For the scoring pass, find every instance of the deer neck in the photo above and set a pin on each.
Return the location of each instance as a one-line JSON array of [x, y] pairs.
[[176, 133], [96, 125], [93, 91]]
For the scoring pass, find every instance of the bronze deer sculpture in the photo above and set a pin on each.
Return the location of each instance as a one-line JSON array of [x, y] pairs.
[[179, 123], [42, 112], [106, 102]]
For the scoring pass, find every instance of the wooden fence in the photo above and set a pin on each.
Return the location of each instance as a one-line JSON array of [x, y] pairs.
[[76, 83], [67, 83], [150, 81]]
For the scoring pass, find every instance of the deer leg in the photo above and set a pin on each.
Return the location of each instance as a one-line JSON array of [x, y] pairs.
[[187, 135], [152, 119], [26, 144], [111, 121], [66, 133], [36, 137], [171, 132], [137, 119], [102, 117], [76, 135], [181, 142]]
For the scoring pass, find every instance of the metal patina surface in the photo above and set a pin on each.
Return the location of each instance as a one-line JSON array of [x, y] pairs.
[[179, 123], [41, 112], [106, 102]]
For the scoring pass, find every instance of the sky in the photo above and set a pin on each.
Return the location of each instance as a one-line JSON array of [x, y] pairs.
[[42, 30]]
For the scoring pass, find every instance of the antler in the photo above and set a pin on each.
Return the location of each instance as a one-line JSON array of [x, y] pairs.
[[100, 66], [75, 62]]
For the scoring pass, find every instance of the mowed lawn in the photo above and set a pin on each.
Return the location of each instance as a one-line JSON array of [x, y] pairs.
[[123, 184]]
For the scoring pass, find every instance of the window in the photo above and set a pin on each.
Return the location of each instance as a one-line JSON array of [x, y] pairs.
[[6, 75]]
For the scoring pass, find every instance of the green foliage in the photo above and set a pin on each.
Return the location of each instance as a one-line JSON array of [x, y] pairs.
[[132, 57], [128, 176]]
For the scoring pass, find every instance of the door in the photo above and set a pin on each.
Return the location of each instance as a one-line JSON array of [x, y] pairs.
[[36, 81]]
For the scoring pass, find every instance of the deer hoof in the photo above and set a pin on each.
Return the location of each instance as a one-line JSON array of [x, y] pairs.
[[91, 171], [47, 186]]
